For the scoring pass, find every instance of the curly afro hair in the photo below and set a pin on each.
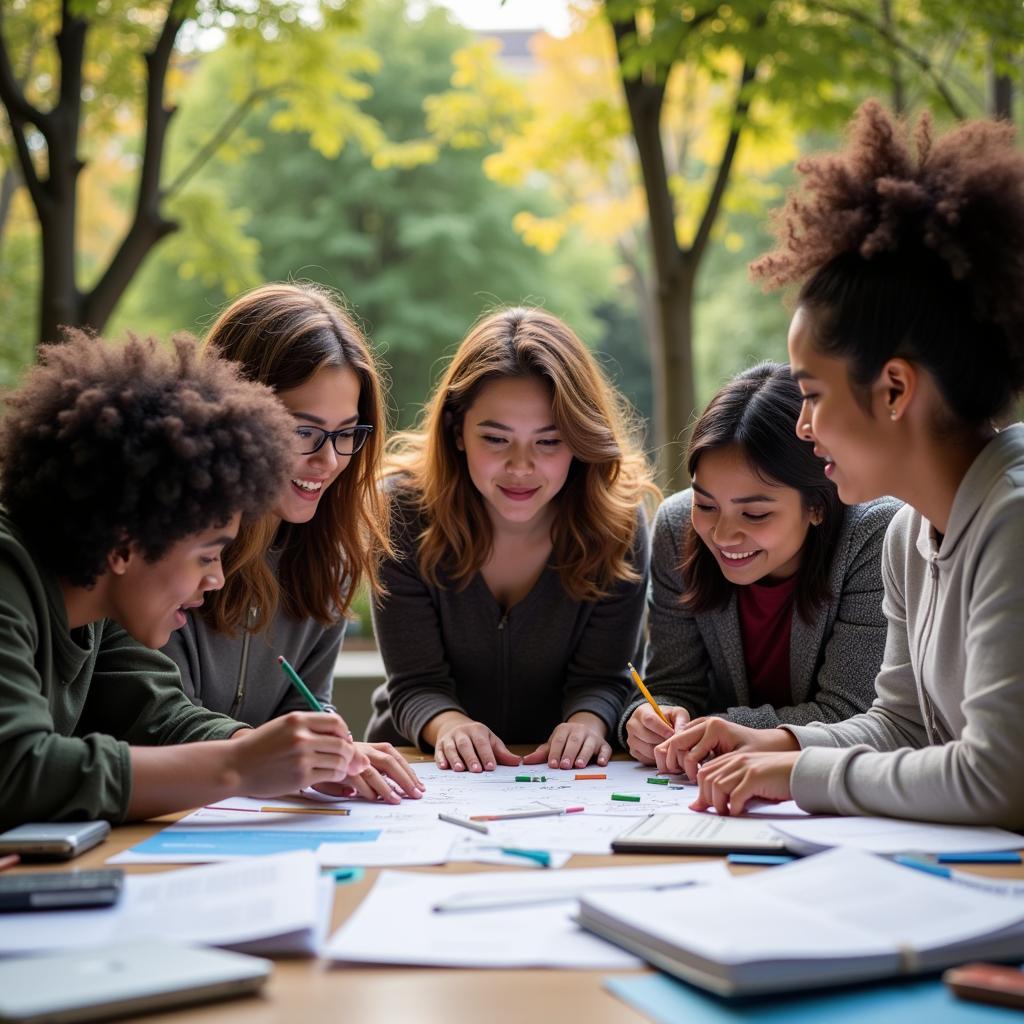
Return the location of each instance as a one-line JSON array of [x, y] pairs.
[[138, 443], [911, 244]]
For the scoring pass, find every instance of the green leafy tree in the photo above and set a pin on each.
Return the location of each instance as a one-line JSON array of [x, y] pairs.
[[414, 234], [811, 59], [79, 77]]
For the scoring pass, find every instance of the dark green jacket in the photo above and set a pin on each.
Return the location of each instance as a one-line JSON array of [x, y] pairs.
[[71, 701]]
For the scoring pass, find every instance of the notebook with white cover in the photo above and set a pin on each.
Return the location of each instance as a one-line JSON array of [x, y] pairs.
[[833, 918]]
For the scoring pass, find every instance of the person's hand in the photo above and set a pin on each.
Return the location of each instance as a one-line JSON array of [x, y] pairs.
[[729, 782], [710, 737], [386, 764], [461, 743], [297, 750], [645, 730], [574, 742]]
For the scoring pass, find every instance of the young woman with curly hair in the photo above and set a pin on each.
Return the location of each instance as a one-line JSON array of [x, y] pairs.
[[292, 573], [766, 593], [908, 343], [516, 596], [126, 470]]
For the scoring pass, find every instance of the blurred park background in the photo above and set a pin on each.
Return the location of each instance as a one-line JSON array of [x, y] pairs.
[[160, 156]]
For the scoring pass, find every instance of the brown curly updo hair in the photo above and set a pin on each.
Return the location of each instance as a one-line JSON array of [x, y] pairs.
[[911, 244], [105, 445]]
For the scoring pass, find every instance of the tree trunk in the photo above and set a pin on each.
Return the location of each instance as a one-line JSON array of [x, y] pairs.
[[1002, 97], [675, 381], [60, 299]]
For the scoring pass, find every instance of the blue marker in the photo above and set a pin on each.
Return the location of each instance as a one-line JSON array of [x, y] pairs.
[[541, 857], [922, 865], [759, 858], [342, 875], [984, 857]]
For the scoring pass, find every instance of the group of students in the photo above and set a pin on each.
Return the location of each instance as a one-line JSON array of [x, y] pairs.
[[176, 518]]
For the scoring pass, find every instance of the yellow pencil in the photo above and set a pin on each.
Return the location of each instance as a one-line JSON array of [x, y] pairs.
[[647, 693], [306, 810]]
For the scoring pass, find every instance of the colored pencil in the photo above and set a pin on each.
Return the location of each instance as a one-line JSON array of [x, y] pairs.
[[296, 680], [524, 814], [452, 820], [647, 693]]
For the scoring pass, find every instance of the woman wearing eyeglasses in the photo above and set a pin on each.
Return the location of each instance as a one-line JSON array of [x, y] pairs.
[[291, 575]]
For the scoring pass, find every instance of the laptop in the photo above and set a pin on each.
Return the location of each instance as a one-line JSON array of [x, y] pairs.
[[121, 979]]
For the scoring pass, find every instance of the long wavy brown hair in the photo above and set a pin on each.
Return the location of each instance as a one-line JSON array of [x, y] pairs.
[[596, 511], [282, 334]]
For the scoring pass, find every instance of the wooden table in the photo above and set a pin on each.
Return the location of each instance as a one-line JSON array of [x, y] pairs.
[[315, 991]]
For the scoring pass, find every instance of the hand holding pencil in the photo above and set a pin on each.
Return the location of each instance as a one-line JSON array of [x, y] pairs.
[[651, 724]]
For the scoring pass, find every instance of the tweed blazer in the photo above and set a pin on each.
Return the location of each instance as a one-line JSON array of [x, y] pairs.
[[696, 660]]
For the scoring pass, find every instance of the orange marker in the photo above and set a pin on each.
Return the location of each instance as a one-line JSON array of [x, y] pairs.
[[582, 778]]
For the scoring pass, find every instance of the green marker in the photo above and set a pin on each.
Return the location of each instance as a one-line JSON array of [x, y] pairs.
[[626, 796], [658, 782], [296, 681], [531, 778]]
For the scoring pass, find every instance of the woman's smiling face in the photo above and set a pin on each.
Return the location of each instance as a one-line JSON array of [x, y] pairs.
[[755, 528], [515, 453], [853, 443]]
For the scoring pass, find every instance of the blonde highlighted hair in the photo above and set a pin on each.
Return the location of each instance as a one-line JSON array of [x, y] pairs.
[[282, 334], [596, 518]]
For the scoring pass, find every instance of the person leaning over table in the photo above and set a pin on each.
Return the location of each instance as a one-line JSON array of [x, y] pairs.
[[908, 345], [291, 575], [126, 470], [766, 592], [516, 596]]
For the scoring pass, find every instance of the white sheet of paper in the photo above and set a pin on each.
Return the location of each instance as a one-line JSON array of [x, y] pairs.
[[277, 901], [524, 933], [387, 852], [410, 833], [892, 835]]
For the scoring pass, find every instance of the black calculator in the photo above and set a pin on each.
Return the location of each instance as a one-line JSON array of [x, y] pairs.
[[60, 890]]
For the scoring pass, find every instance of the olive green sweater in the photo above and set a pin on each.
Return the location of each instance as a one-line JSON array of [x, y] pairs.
[[71, 701]]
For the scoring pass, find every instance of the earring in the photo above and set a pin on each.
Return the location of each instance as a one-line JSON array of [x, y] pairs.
[[892, 414]]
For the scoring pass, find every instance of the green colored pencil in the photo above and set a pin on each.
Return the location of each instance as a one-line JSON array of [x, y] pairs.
[[296, 681]]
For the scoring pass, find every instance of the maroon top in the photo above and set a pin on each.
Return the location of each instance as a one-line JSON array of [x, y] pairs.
[[766, 618]]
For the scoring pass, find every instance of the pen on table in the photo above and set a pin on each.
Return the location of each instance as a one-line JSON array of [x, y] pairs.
[[531, 778], [9, 861], [592, 775], [452, 820], [296, 681], [647, 693], [541, 857], [499, 898], [524, 814], [981, 857], [303, 810]]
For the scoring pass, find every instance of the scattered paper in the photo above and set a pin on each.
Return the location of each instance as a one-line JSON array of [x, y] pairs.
[[274, 904], [532, 925]]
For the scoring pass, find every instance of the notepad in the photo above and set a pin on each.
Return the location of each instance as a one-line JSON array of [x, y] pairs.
[[699, 833], [833, 918]]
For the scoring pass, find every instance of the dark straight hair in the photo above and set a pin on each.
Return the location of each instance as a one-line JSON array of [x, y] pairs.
[[757, 411]]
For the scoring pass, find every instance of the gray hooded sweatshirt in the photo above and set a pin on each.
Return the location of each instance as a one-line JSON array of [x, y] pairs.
[[944, 739]]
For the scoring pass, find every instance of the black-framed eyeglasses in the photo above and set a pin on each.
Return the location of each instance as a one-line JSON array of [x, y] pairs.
[[346, 441]]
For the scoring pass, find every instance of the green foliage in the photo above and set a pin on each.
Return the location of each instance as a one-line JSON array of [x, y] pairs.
[[420, 247]]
